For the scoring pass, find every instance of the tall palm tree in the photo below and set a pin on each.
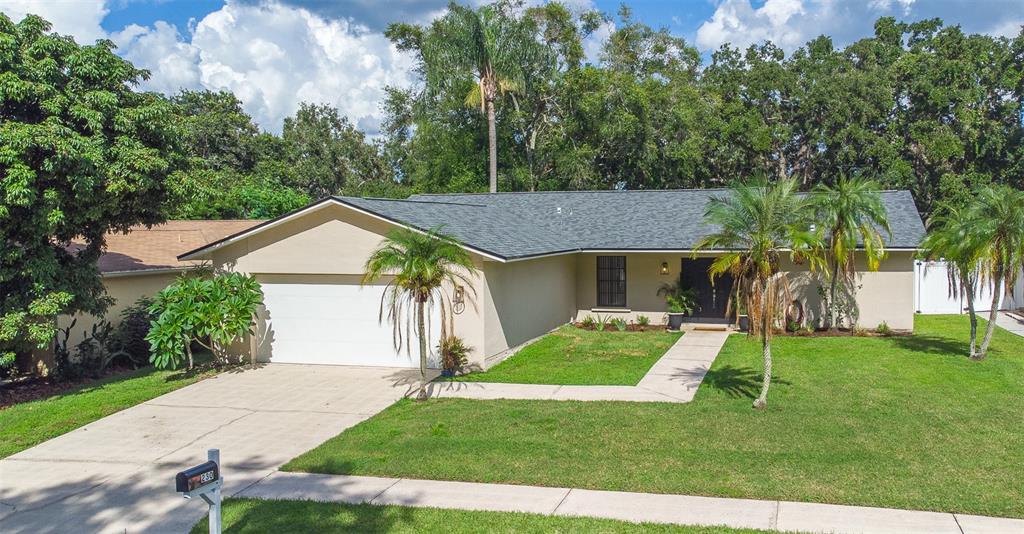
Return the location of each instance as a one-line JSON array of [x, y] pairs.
[[757, 226], [421, 264], [487, 43], [997, 228], [949, 239], [850, 213]]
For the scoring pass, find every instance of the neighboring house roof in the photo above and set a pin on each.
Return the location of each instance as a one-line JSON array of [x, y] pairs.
[[157, 248], [510, 226]]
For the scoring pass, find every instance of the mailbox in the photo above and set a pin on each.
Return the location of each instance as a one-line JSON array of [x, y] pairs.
[[196, 477], [204, 481]]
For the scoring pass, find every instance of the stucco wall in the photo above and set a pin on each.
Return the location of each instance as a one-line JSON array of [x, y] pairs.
[[885, 295], [524, 299], [125, 290]]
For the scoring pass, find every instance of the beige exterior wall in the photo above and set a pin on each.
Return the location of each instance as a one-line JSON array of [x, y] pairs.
[[885, 295], [524, 299], [125, 290]]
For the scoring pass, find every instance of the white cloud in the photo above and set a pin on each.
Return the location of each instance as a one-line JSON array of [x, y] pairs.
[[77, 18], [272, 56], [791, 23]]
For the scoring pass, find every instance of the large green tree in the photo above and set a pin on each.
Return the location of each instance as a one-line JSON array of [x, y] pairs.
[[82, 153]]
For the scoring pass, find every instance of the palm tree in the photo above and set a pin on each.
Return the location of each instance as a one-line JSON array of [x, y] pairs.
[[487, 43], [757, 225], [851, 214], [997, 229], [421, 265], [948, 239]]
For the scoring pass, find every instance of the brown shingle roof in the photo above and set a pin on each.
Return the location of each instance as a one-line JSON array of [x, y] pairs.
[[158, 247]]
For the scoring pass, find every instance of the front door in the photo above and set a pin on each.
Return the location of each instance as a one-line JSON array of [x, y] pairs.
[[712, 300]]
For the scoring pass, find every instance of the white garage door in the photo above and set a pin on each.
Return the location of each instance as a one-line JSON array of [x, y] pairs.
[[332, 324]]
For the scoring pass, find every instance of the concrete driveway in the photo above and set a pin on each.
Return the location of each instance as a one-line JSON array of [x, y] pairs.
[[117, 474]]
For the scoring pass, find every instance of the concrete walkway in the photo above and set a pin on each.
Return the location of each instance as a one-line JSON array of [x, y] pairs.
[[117, 474], [635, 507], [673, 378], [1011, 322]]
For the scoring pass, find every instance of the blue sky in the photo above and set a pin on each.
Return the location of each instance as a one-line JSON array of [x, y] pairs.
[[275, 54]]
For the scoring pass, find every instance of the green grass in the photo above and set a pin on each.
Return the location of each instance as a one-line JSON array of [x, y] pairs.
[[904, 422], [31, 423], [575, 356], [251, 515]]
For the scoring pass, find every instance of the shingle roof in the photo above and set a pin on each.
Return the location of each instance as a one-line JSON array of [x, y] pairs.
[[157, 248], [517, 225]]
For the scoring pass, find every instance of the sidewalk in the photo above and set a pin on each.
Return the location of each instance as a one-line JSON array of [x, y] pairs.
[[673, 378], [1011, 323], [635, 507]]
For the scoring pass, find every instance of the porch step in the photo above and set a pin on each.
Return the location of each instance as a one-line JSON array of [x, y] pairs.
[[712, 327]]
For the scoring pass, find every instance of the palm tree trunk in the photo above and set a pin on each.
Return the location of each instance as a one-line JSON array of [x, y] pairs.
[[422, 332], [992, 315], [766, 348], [832, 316], [968, 285], [492, 144]]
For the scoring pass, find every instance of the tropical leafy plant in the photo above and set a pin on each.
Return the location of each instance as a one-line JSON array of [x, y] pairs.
[[454, 353], [678, 297], [620, 324], [643, 320], [950, 239], [997, 229], [850, 214], [758, 225], [421, 266], [213, 312], [588, 322]]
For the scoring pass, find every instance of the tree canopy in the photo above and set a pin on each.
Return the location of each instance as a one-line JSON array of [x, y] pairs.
[[82, 153]]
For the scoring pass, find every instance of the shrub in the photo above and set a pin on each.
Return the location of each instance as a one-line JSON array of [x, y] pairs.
[[588, 322], [213, 312], [600, 322], [7, 364], [643, 320], [132, 332], [454, 353], [884, 329], [619, 324], [99, 349]]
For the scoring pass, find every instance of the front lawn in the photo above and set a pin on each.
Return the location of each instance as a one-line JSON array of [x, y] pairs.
[[258, 516], [31, 423], [904, 422], [575, 356]]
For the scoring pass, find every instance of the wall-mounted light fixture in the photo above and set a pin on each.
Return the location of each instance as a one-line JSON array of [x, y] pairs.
[[459, 300], [664, 267]]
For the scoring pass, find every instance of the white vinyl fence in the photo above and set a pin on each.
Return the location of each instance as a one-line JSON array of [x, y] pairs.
[[931, 292]]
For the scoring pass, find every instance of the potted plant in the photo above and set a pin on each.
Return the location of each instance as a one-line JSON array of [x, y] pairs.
[[453, 355], [681, 302]]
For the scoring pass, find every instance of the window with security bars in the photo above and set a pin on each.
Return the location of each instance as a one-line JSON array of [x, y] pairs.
[[611, 281]]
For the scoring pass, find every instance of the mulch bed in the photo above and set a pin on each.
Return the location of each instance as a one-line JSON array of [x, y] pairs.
[[30, 388], [632, 327]]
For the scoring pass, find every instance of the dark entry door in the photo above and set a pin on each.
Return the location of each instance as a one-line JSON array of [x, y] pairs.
[[712, 300]]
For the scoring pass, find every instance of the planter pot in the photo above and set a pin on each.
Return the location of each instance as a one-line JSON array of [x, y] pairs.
[[675, 320], [743, 323]]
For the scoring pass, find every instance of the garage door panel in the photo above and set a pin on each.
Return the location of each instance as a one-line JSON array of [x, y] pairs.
[[332, 324]]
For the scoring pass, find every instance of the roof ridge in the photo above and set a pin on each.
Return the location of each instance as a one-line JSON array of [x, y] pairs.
[[414, 201], [467, 194]]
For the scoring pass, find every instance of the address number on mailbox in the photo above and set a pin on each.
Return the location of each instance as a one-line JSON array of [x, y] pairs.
[[197, 477]]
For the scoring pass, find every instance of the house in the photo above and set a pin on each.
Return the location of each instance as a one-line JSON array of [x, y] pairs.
[[544, 259], [138, 264]]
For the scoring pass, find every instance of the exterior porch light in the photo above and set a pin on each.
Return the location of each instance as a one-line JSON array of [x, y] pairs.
[[664, 267]]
